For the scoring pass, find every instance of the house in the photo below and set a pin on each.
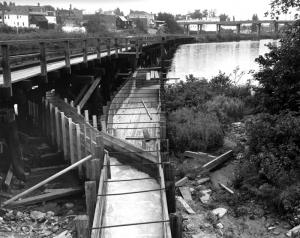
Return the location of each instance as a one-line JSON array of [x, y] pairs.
[[30, 16], [123, 23], [133, 15], [70, 17]]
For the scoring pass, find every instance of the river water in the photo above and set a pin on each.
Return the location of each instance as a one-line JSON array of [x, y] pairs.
[[207, 59]]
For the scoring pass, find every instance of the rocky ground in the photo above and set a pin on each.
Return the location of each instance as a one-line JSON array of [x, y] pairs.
[[219, 213]]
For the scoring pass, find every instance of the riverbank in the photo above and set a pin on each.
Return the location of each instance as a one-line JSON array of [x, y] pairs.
[[229, 37]]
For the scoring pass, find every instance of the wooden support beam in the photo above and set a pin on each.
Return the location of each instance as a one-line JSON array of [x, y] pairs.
[[99, 49], [26, 192], [89, 93], [64, 135], [85, 51], [43, 61], [67, 56], [58, 134], [59, 193], [6, 67], [176, 223], [90, 200], [71, 141], [78, 149], [81, 93], [95, 121], [82, 226]]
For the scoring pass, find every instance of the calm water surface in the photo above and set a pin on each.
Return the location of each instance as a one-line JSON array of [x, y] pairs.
[[207, 59]]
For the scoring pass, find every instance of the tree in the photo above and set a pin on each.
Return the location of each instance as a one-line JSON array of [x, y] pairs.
[[171, 24], [224, 17], [283, 6], [212, 13], [118, 12], [280, 73], [254, 26], [205, 13], [197, 14], [94, 25]]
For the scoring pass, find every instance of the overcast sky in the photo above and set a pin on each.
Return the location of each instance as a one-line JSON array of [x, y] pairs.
[[241, 9]]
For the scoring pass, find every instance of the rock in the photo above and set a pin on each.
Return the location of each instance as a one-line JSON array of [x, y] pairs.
[[37, 216], [276, 233], [50, 214], [70, 212], [69, 205], [206, 196], [55, 229], [271, 228], [220, 212], [192, 190], [203, 180], [294, 230], [220, 226], [204, 235]]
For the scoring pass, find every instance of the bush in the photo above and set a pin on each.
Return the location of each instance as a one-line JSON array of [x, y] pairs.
[[274, 147], [196, 131], [227, 109]]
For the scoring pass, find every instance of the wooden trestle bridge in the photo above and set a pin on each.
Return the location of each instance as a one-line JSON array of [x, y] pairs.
[[101, 102]]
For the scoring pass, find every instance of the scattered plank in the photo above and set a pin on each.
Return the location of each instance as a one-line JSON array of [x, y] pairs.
[[218, 161], [9, 176], [226, 188], [146, 109], [46, 197], [181, 182], [185, 205], [89, 93], [203, 157], [62, 166], [186, 193]]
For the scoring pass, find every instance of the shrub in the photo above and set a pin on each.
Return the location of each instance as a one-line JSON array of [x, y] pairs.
[[274, 147], [196, 131], [227, 109]]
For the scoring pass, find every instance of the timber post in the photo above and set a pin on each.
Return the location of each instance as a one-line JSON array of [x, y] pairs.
[[6, 68], [67, 56], [82, 226], [43, 61]]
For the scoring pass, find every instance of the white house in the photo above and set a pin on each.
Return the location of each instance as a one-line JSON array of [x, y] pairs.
[[140, 15], [16, 19]]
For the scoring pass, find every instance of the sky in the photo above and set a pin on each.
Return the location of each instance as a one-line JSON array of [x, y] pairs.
[[241, 9]]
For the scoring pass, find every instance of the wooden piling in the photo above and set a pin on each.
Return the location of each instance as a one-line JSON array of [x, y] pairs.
[[90, 200], [176, 222], [6, 68], [82, 226], [43, 61]]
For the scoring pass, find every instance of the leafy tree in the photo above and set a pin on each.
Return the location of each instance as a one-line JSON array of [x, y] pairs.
[[140, 26], [197, 14], [212, 13], [254, 26], [205, 13], [94, 25], [118, 12], [171, 24], [280, 73], [224, 17], [283, 6]]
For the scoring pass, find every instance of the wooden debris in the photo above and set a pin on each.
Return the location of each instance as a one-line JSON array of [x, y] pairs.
[[64, 234], [185, 205], [146, 109], [203, 157], [181, 182], [8, 177], [226, 188], [218, 161], [202, 181], [73, 166], [46, 197], [186, 193], [49, 168]]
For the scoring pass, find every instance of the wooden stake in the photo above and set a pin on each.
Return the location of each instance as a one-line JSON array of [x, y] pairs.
[[57, 128], [78, 149], [82, 226], [90, 199], [64, 135], [71, 141]]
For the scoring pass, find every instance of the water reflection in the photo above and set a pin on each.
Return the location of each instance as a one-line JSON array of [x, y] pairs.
[[207, 59]]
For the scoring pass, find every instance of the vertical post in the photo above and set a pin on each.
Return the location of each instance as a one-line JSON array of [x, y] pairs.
[[99, 49], [67, 56], [116, 48], [85, 51], [86, 116], [188, 29], [90, 199], [103, 123], [78, 110], [170, 187], [57, 128], [108, 168], [72, 156], [6, 68], [258, 29], [95, 170], [176, 225], [108, 47], [78, 148], [121, 44], [82, 226], [126, 44], [99, 149], [137, 54], [238, 29], [64, 135], [95, 122], [276, 27], [43, 59], [52, 124]]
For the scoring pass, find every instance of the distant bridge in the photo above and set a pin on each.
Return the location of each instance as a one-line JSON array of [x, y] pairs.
[[187, 23]]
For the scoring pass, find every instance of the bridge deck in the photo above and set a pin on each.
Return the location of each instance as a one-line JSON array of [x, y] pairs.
[[142, 207]]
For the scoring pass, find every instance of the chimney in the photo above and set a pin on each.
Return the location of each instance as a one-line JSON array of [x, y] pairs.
[[70, 7], [39, 4]]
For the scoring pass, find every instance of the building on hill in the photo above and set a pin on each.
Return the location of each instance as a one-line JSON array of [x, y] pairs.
[[70, 17], [43, 17], [149, 17]]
